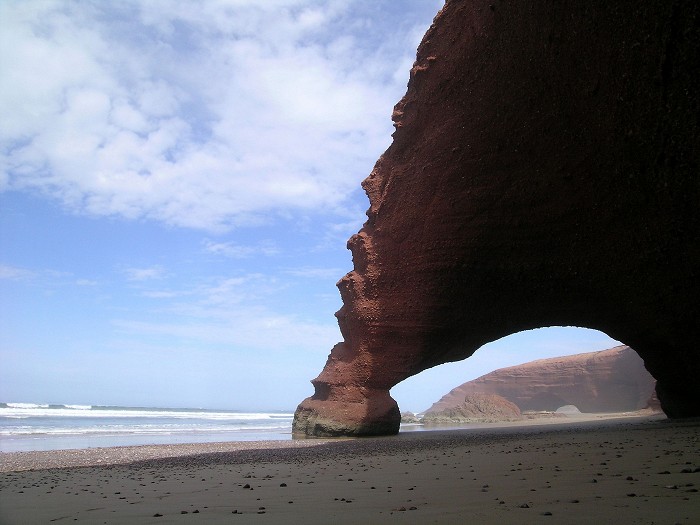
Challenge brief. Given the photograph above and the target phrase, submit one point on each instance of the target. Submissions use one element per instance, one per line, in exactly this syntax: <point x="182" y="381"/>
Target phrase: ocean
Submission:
<point x="33" y="427"/>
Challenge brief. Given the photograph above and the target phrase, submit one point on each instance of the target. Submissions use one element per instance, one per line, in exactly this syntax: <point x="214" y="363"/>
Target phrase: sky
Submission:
<point x="178" y="181"/>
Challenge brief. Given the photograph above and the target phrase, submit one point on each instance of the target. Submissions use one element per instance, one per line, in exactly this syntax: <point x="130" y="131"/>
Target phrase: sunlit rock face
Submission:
<point x="613" y="380"/>
<point x="474" y="407"/>
<point x="544" y="171"/>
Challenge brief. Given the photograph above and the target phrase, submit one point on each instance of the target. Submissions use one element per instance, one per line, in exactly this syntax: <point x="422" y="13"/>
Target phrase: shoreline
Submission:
<point x="626" y="470"/>
<point x="126" y="454"/>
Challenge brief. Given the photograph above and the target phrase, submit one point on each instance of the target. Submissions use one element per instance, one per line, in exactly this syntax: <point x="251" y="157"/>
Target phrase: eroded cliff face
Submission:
<point x="473" y="407"/>
<point x="544" y="171"/>
<point x="613" y="380"/>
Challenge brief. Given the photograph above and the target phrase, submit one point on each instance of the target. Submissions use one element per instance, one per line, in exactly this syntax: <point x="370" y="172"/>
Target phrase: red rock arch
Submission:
<point x="544" y="171"/>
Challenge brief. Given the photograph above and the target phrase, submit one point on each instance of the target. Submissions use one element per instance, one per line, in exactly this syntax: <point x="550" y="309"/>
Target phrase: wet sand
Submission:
<point x="632" y="470"/>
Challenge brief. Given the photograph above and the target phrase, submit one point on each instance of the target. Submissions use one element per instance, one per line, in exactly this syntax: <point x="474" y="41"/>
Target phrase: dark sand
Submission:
<point x="633" y="470"/>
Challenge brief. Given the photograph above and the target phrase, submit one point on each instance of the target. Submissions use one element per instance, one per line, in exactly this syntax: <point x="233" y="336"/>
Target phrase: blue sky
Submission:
<point x="177" y="184"/>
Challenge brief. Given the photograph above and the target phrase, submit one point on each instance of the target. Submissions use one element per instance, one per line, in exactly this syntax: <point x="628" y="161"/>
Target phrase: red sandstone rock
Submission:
<point x="612" y="380"/>
<point x="653" y="404"/>
<point x="474" y="407"/>
<point x="544" y="172"/>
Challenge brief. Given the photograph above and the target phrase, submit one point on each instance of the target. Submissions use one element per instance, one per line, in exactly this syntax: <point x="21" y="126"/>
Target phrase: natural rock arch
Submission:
<point x="544" y="171"/>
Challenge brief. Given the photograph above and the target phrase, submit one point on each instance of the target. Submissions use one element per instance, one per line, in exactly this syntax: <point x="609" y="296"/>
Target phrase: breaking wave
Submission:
<point x="33" y="420"/>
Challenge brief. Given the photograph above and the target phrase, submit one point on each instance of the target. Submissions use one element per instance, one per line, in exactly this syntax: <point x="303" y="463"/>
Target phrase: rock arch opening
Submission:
<point x="539" y="372"/>
<point x="418" y="393"/>
<point x="545" y="171"/>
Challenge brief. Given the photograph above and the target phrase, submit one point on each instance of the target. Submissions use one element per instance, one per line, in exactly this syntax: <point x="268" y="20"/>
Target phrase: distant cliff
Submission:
<point x="484" y="408"/>
<point x="613" y="380"/>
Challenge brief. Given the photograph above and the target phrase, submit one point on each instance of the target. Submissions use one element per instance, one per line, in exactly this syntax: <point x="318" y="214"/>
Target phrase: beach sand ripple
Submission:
<point x="628" y="471"/>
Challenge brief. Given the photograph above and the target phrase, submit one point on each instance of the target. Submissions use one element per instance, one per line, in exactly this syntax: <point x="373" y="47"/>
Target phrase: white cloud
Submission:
<point x="216" y="298"/>
<point x="144" y="274"/>
<point x="13" y="273"/>
<point x="204" y="114"/>
<point x="232" y="311"/>
<point x="248" y="331"/>
<point x="45" y="278"/>
<point x="317" y="273"/>
<point x="161" y="294"/>
<point x="239" y="251"/>
<point x="86" y="282"/>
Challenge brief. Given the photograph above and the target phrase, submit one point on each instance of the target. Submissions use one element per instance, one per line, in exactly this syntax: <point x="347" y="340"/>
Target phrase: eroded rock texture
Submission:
<point x="544" y="171"/>
<point x="613" y="380"/>
<point x="472" y="407"/>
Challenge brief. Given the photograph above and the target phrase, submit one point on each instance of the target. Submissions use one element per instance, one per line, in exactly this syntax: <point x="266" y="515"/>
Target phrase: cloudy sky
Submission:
<point x="177" y="184"/>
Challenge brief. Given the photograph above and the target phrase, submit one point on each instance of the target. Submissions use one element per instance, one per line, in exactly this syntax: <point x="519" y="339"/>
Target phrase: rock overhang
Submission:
<point x="544" y="171"/>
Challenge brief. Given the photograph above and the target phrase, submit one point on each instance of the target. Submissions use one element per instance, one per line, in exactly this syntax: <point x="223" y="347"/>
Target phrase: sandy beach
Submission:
<point x="628" y="470"/>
